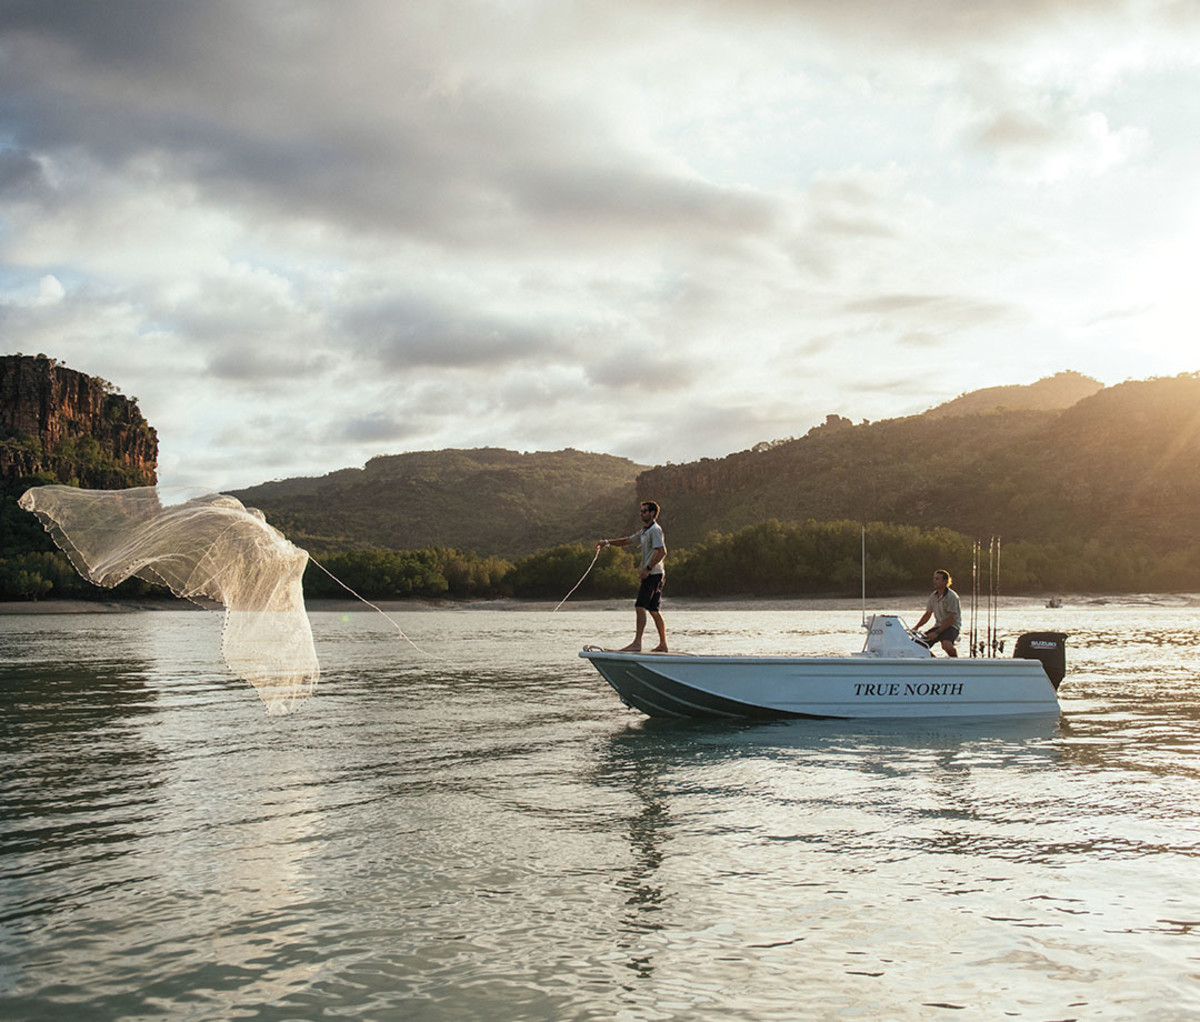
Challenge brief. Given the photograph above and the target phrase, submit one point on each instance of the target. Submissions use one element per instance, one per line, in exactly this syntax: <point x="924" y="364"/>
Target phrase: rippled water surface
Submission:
<point x="480" y="830"/>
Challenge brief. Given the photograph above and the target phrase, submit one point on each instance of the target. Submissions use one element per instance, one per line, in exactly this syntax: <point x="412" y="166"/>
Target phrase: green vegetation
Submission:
<point x="816" y="558"/>
<point x="825" y="559"/>
<point x="396" y="574"/>
<point x="438" y="572"/>
<point x="551" y="574"/>
<point x="778" y="559"/>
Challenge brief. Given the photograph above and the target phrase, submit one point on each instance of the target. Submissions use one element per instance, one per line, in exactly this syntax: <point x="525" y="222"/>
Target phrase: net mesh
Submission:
<point x="212" y="548"/>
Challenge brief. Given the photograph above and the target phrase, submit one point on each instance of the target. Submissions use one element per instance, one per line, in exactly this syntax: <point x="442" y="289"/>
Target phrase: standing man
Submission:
<point x="947" y="614"/>
<point x="654" y="549"/>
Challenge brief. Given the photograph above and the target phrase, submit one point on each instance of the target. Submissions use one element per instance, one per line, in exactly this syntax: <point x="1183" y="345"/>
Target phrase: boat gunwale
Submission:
<point x="944" y="663"/>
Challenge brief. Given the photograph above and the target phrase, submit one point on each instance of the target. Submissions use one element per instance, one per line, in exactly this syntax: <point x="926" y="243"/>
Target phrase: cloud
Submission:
<point x="21" y="175"/>
<point x="922" y="339"/>
<point x="1010" y="129"/>
<point x="248" y="361"/>
<point x="950" y="312"/>
<point x="377" y="427"/>
<point x="649" y="371"/>
<point x="304" y="232"/>
<point x="1059" y="148"/>
<point x="410" y="332"/>
<point x="371" y="133"/>
<point x="50" y="291"/>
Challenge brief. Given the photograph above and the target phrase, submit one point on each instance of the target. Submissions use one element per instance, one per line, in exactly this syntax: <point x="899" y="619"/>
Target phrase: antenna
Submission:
<point x="864" y="574"/>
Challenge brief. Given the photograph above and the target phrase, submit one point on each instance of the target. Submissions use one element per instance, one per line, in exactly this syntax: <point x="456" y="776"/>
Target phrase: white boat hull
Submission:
<point x="686" y="686"/>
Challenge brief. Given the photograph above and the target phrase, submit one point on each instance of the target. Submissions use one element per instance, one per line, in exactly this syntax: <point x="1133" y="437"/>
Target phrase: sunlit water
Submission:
<point x="480" y="830"/>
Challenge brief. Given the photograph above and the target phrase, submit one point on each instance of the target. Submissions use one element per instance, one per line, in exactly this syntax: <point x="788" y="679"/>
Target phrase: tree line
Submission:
<point x="773" y="558"/>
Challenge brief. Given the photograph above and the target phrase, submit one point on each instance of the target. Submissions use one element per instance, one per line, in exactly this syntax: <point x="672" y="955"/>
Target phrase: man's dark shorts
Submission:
<point x="650" y="592"/>
<point x="949" y="635"/>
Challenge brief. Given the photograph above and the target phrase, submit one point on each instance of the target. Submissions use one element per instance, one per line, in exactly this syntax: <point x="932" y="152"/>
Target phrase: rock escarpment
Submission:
<point x="57" y="424"/>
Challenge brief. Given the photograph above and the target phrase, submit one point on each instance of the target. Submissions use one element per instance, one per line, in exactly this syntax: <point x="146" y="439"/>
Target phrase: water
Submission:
<point x="485" y="832"/>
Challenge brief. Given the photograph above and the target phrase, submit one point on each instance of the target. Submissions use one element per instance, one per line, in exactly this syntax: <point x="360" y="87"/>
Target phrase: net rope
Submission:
<point x="579" y="583"/>
<point x="380" y="610"/>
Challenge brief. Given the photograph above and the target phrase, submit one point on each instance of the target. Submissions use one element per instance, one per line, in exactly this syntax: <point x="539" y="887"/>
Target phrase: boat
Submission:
<point x="895" y="675"/>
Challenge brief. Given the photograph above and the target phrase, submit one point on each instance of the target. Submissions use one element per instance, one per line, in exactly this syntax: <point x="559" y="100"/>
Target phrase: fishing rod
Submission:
<point x="989" y="589"/>
<point x="997" y="645"/>
<point x="991" y="637"/>
<point x="974" y="632"/>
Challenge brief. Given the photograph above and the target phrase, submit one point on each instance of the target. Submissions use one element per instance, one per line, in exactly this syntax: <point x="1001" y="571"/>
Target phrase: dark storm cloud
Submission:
<point x="20" y="174"/>
<point x="288" y="111"/>
<point x="116" y="31"/>
<point x="119" y="32"/>
<point x="219" y="96"/>
<point x="91" y="76"/>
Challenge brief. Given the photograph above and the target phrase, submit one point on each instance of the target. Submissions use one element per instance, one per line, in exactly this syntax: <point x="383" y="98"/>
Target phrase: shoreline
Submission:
<point x="911" y="601"/>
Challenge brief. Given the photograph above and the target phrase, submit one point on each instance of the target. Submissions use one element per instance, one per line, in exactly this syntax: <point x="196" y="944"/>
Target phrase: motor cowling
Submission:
<point x="1048" y="647"/>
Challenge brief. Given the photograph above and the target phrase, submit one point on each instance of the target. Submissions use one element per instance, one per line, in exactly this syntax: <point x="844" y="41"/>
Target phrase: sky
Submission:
<point x="303" y="234"/>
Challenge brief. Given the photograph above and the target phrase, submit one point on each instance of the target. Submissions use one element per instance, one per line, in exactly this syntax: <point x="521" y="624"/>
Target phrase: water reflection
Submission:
<point x="831" y="791"/>
<point x="487" y="833"/>
<point x="80" y="780"/>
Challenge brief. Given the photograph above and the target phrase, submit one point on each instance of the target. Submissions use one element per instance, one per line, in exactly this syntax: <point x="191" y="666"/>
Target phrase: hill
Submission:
<point x="1054" y="393"/>
<point x="1121" y="466"/>
<point x="489" y="500"/>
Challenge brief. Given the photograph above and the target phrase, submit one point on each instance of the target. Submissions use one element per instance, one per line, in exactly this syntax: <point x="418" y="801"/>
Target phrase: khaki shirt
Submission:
<point x="651" y="538"/>
<point x="945" y="609"/>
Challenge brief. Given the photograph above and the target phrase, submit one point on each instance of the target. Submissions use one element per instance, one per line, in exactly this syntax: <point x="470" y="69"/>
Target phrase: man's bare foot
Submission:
<point x="633" y="647"/>
<point x="659" y="649"/>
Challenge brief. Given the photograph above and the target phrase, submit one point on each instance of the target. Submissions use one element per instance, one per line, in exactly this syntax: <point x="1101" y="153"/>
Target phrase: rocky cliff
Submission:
<point x="72" y="427"/>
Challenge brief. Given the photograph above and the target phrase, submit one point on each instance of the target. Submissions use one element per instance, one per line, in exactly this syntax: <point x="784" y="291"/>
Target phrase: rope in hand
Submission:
<point x="372" y="606"/>
<point x="580" y="582"/>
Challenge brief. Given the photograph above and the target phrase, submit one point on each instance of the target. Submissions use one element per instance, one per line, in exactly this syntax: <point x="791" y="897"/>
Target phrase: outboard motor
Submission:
<point x="1048" y="647"/>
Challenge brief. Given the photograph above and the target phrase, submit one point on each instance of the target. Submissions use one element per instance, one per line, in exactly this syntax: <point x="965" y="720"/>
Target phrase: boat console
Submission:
<point x="888" y="636"/>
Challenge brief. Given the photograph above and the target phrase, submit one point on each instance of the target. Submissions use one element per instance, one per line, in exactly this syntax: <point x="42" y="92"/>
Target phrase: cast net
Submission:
<point x="212" y="548"/>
